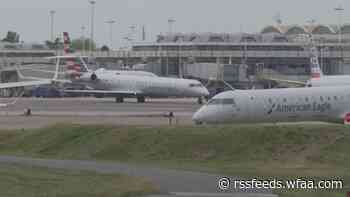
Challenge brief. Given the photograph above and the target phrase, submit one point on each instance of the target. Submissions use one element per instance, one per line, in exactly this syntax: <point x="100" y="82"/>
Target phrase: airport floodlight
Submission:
<point x="171" y="21"/>
<point x="83" y="38"/>
<point x="52" y="15"/>
<point x="92" y="3"/>
<point x="111" y="23"/>
<point x="339" y="11"/>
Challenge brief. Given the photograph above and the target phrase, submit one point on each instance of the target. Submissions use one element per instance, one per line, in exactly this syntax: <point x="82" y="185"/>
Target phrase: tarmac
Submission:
<point x="48" y="111"/>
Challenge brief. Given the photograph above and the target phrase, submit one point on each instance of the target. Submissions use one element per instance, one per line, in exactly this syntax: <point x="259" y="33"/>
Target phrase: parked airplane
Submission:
<point x="328" y="104"/>
<point x="112" y="83"/>
<point x="121" y="86"/>
<point x="317" y="78"/>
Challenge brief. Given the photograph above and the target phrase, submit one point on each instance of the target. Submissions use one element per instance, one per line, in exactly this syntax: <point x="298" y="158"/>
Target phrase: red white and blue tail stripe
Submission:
<point x="316" y="71"/>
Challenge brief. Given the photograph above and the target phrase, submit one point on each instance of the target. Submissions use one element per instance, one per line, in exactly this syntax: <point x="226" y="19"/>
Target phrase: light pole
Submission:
<point x="92" y="2"/>
<point x="132" y="33"/>
<point x="83" y="39"/>
<point x="110" y="23"/>
<point x="339" y="10"/>
<point x="128" y="39"/>
<point x="52" y="15"/>
<point x="171" y="21"/>
<point x="181" y="71"/>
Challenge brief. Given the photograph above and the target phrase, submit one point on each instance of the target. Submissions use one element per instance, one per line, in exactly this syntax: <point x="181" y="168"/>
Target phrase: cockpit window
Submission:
<point x="228" y="101"/>
<point x="214" y="102"/>
<point x="195" y="85"/>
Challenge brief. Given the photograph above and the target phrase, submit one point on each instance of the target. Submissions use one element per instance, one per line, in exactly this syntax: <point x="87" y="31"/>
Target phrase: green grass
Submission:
<point x="320" y="151"/>
<point x="19" y="181"/>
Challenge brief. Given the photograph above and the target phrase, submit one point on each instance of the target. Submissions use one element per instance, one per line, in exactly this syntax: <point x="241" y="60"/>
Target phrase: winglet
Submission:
<point x="21" y="76"/>
<point x="19" y="72"/>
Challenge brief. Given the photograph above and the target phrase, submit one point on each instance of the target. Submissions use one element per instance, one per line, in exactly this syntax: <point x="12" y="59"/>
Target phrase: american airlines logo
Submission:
<point x="314" y="107"/>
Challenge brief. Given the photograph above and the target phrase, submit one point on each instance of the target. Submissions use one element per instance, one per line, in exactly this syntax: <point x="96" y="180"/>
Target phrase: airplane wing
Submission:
<point x="104" y="92"/>
<point x="24" y="83"/>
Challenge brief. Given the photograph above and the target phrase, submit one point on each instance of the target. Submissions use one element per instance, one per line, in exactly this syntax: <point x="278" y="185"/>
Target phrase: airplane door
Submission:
<point x="257" y="109"/>
<point x="238" y="109"/>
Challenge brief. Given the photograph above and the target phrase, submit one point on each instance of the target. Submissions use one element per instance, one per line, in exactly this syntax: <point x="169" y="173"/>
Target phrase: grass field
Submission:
<point x="320" y="151"/>
<point x="20" y="181"/>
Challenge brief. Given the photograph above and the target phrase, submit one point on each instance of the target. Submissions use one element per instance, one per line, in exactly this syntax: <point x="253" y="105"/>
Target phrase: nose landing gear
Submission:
<point x="198" y="123"/>
<point x="200" y="100"/>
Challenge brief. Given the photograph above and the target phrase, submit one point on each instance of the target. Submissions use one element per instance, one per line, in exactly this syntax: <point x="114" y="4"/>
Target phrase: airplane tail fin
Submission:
<point x="66" y="42"/>
<point x="74" y="69"/>
<point x="316" y="71"/>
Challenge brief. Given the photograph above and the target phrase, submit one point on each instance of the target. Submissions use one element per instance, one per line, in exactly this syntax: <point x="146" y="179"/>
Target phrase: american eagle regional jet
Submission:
<point x="328" y="104"/>
<point x="326" y="99"/>
<point x="121" y="84"/>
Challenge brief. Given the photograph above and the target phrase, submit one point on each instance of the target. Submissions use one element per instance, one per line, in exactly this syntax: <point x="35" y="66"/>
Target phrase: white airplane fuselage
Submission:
<point x="334" y="80"/>
<point x="146" y="85"/>
<point x="125" y="72"/>
<point x="328" y="104"/>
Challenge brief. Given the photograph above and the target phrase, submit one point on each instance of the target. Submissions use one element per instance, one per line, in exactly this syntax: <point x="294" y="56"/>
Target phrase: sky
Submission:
<point x="31" y="18"/>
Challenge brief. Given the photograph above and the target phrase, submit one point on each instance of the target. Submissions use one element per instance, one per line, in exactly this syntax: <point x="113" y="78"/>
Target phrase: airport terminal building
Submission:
<point x="238" y="58"/>
<point x="275" y="50"/>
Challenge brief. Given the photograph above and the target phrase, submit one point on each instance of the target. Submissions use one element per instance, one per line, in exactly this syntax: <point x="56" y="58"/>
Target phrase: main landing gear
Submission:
<point x="200" y="100"/>
<point x="119" y="99"/>
<point x="141" y="99"/>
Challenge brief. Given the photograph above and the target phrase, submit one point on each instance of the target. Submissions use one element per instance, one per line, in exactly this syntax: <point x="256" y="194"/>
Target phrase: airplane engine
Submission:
<point x="93" y="77"/>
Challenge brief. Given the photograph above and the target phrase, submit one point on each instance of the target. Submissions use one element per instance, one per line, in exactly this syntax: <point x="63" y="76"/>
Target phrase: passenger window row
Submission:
<point x="307" y="99"/>
<point x="195" y="85"/>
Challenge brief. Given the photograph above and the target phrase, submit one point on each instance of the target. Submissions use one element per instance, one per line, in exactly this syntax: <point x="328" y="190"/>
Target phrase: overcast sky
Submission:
<point x="31" y="17"/>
